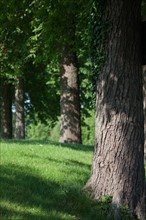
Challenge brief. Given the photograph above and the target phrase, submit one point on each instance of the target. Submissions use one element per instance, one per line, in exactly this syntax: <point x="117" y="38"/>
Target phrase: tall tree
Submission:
<point x="118" y="162"/>
<point x="144" y="95"/>
<point x="144" y="67"/>
<point x="22" y="51"/>
<point x="66" y="40"/>
<point x="6" y="109"/>
<point x="70" y="100"/>
<point x="70" y="88"/>
<point x="19" y="104"/>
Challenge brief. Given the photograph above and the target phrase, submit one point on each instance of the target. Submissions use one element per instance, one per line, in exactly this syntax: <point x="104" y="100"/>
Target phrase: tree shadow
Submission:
<point x="67" y="162"/>
<point x="22" y="187"/>
<point x="79" y="147"/>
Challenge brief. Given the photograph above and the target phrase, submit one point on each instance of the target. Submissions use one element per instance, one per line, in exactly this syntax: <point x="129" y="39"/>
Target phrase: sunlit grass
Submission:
<point x="44" y="181"/>
<point x="38" y="179"/>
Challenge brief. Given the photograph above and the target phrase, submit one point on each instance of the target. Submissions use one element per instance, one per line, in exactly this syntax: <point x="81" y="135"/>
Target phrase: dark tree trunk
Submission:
<point x="144" y="71"/>
<point x="118" y="162"/>
<point x="144" y="95"/>
<point x="70" y="101"/>
<point x="19" y="102"/>
<point x="6" y="109"/>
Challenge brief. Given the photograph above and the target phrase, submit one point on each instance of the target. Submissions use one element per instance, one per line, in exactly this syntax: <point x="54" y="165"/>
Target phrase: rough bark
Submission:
<point x="144" y="73"/>
<point x="19" y="102"/>
<point x="118" y="162"/>
<point x="6" y="109"/>
<point x="144" y="104"/>
<point x="70" y="101"/>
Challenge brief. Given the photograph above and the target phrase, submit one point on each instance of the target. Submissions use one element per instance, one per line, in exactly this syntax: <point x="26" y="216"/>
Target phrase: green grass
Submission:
<point x="44" y="181"/>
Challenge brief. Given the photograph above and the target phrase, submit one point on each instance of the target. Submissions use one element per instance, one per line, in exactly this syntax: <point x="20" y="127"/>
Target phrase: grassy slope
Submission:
<point x="42" y="181"/>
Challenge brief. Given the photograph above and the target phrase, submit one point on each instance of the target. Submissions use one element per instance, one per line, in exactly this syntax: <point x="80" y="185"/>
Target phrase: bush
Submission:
<point x="88" y="129"/>
<point x="51" y="131"/>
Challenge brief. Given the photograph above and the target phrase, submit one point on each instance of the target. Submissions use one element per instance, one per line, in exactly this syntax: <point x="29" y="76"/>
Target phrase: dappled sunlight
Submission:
<point x="24" y="209"/>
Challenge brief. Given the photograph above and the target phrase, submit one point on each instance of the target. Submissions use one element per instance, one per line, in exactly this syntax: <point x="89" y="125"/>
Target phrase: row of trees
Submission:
<point x="36" y="36"/>
<point x="43" y="45"/>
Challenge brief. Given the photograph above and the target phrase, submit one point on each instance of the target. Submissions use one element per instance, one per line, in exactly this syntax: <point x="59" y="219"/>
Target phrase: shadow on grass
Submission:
<point x="26" y="196"/>
<point x="80" y="147"/>
<point x="67" y="162"/>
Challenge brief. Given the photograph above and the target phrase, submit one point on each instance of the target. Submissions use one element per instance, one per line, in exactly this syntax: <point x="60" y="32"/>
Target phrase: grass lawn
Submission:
<point x="44" y="181"/>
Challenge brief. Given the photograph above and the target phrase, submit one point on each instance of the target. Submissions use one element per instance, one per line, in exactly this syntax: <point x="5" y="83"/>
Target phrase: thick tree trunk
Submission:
<point x="144" y="71"/>
<point x="19" y="102"/>
<point x="70" y="101"/>
<point x="144" y="102"/>
<point x="6" y="109"/>
<point x="118" y="163"/>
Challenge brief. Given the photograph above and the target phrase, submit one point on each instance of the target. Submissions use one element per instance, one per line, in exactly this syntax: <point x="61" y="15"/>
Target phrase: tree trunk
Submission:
<point x="19" y="102"/>
<point x="118" y="162"/>
<point x="144" y="102"/>
<point x="144" y="70"/>
<point x="6" y="109"/>
<point x="70" y="101"/>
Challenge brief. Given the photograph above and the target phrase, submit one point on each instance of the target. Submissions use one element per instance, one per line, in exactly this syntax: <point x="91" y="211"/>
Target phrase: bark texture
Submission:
<point x="144" y="104"/>
<point x="144" y="74"/>
<point x="19" y="102"/>
<point x="70" y="101"/>
<point x="118" y="162"/>
<point x="6" y="109"/>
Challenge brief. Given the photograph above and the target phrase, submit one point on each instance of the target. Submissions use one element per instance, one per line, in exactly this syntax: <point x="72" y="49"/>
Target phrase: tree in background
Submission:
<point x="51" y="131"/>
<point x="6" y="109"/>
<point x="22" y="59"/>
<point x="118" y="163"/>
<point x="19" y="104"/>
<point x="63" y="24"/>
<point x="33" y="36"/>
<point x="70" y="100"/>
<point x="14" y="28"/>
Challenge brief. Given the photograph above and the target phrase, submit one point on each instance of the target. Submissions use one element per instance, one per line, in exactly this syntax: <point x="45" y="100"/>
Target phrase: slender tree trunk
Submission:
<point x="6" y="109"/>
<point x="70" y="101"/>
<point x="19" y="102"/>
<point x="118" y="162"/>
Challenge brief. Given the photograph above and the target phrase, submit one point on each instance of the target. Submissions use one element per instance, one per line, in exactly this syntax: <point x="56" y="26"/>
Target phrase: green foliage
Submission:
<point x="98" y="30"/>
<point x="33" y="34"/>
<point x="51" y="129"/>
<point x="55" y="132"/>
<point x="15" y="29"/>
<point x="143" y="8"/>
<point x="42" y="85"/>
<point x="87" y="99"/>
<point x="22" y="54"/>
<point x="38" y="131"/>
<point x="88" y="129"/>
<point x="125" y="213"/>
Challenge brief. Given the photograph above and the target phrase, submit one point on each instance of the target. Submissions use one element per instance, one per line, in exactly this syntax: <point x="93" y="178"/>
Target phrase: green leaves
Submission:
<point x="143" y="8"/>
<point x="98" y="31"/>
<point x="32" y="37"/>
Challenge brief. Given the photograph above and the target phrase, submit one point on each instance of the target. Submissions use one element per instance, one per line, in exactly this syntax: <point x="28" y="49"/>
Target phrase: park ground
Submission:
<point x="44" y="181"/>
